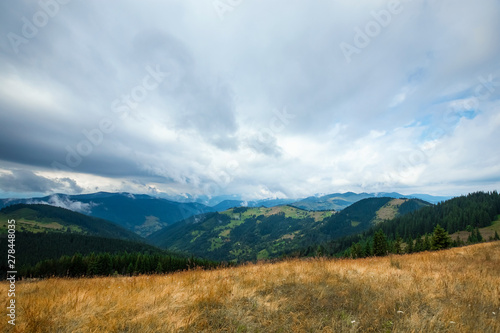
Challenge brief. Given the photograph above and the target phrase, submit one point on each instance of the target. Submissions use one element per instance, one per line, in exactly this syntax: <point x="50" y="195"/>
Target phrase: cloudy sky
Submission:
<point x="279" y="98"/>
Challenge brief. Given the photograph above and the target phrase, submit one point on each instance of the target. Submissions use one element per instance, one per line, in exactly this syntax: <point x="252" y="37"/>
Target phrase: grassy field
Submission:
<point x="32" y="224"/>
<point x="389" y="210"/>
<point x="456" y="290"/>
<point x="486" y="232"/>
<point x="36" y="226"/>
<point x="289" y="211"/>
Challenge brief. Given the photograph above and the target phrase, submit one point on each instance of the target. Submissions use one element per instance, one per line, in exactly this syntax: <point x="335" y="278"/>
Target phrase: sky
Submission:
<point x="260" y="99"/>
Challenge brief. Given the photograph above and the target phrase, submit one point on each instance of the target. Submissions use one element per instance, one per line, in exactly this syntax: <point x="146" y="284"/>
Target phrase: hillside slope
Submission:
<point x="45" y="218"/>
<point x="35" y="247"/>
<point x="473" y="211"/>
<point x="241" y="234"/>
<point x="367" y="212"/>
<point x="142" y="214"/>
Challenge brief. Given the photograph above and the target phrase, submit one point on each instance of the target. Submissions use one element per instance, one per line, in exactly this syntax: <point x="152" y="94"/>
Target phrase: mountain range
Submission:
<point x="245" y="231"/>
<point x="339" y="201"/>
<point x="144" y="214"/>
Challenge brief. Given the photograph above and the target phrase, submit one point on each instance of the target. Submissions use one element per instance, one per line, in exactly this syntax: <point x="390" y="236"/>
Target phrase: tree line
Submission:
<point x="106" y="264"/>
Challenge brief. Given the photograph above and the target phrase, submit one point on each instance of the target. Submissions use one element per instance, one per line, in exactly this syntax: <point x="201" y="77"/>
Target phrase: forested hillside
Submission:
<point x="242" y="234"/>
<point x="55" y="241"/>
<point x="45" y="218"/>
<point x="69" y="254"/>
<point x="414" y="230"/>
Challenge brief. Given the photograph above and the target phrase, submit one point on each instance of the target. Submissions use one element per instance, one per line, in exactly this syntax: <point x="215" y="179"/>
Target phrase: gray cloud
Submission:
<point x="357" y="125"/>
<point x="27" y="181"/>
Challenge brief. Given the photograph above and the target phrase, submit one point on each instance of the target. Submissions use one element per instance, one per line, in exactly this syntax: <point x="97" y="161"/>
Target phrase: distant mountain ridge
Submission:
<point x="145" y="214"/>
<point x="339" y="201"/>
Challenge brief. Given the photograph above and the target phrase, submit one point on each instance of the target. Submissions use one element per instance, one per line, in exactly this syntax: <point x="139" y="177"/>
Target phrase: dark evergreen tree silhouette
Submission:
<point x="380" y="243"/>
<point x="440" y="239"/>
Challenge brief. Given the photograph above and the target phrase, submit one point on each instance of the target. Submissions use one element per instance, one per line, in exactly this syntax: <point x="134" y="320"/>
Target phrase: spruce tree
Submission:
<point x="419" y="245"/>
<point x="478" y="235"/>
<point x="379" y="243"/>
<point x="427" y="243"/>
<point x="440" y="239"/>
<point x="93" y="267"/>
<point x="397" y="245"/>
<point x="409" y="245"/>
<point x="496" y="236"/>
<point x="130" y="269"/>
<point x="159" y="268"/>
<point x="472" y="239"/>
<point x="368" y="252"/>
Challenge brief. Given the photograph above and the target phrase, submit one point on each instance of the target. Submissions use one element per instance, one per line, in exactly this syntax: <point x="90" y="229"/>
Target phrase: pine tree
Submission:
<point x="458" y="241"/>
<point x="496" y="236"/>
<point x="419" y="244"/>
<point x="159" y="268"/>
<point x="427" y="243"/>
<point x="397" y="245"/>
<point x="379" y="243"/>
<point x="357" y="250"/>
<point x="368" y="252"/>
<point x="93" y="265"/>
<point x="478" y="235"/>
<point x="440" y="239"/>
<point x="77" y="267"/>
<point x="130" y="269"/>
<point x="409" y="245"/>
<point x="472" y="239"/>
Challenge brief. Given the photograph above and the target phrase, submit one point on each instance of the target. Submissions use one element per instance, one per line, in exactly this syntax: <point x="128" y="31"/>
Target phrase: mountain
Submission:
<point x="144" y="214"/>
<point x="245" y="233"/>
<point x="339" y="201"/>
<point x="429" y="198"/>
<point x="239" y="234"/>
<point x="44" y="218"/>
<point x="472" y="212"/>
<point x="46" y="232"/>
<point x="365" y="213"/>
<point x="224" y="200"/>
<point x="226" y="204"/>
<point x="140" y="213"/>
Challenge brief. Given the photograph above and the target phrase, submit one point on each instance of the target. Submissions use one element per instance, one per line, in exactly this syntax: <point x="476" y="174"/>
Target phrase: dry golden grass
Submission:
<point x="486" y="232"/>
<point x="456" y="290"/>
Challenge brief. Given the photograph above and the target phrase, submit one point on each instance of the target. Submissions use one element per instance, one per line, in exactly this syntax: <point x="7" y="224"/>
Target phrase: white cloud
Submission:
<point x="211" y="125"/>
<point x="64" y="202"/>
